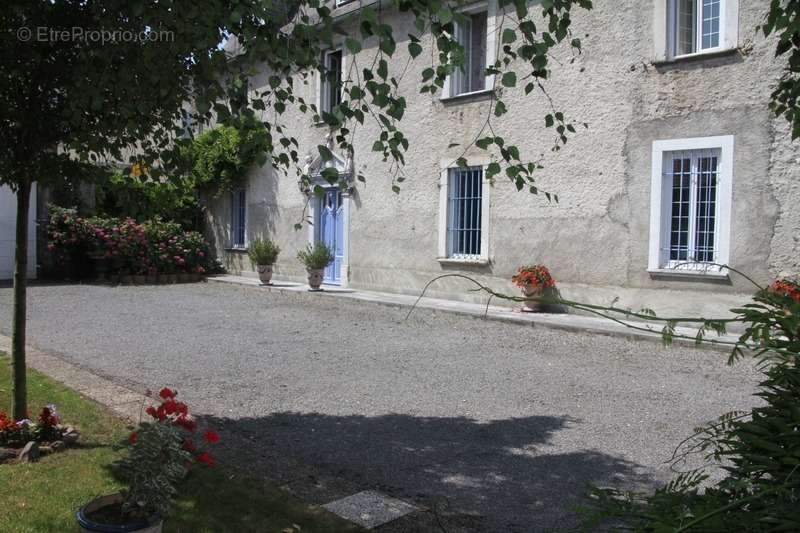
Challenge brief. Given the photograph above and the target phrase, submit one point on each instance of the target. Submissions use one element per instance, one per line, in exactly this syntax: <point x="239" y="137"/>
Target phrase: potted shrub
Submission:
<point x="160" y="454"/>
<point x="315" y="259"/>
<point x="536" y="283"/>
<point x="263" y="254"/>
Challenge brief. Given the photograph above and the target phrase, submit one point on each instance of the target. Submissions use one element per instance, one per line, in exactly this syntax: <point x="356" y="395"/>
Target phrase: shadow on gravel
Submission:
<point x="497" y="476"/>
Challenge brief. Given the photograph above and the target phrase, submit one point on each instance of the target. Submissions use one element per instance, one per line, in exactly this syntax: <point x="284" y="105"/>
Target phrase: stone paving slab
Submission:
<point x="563" y="321"/>
<point x="370" y="508"/>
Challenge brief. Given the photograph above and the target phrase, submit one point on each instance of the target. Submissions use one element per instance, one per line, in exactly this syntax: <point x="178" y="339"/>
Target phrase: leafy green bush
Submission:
<point x="317" y="257"/>
<point x="143" y="198"/>
<point x="263" y="252"/>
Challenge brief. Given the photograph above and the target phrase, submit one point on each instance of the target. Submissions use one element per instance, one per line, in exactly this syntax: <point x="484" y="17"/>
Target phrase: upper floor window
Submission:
<point x="238" y="218"/>
<point x="691" y="203"/>
<point x="696" y="26"/>
<point x="471" y="77"/>
<point x="691" y="28"/>
<point x="477" y="37"/>
<point x="331" y="86"/>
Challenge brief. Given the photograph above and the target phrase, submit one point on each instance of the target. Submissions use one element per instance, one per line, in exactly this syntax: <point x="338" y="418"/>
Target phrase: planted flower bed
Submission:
<point x="126" y="251"/>
<point x="25" y="440"/>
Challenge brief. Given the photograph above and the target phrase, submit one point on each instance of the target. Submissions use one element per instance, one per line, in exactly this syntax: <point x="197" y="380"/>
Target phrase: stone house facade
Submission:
<point x="682" y="161"/>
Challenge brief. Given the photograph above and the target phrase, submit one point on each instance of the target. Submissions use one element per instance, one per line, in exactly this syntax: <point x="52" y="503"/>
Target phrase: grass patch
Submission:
<point x="44" y="496"/>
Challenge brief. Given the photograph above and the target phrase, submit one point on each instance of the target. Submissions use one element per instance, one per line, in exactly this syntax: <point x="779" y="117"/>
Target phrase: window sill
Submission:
<point x="463" y="262"/>
<point x="237" y="249"/>
<point x="697" y="56"/>
<point x="689" y="274"/>
<point x="467" y="97"/>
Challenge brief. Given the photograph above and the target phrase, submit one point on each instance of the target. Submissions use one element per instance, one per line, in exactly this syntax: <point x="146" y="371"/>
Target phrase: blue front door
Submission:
<point x="331" y="232"/>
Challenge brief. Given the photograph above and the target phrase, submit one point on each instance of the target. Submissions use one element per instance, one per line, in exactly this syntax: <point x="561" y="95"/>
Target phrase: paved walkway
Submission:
<point x="484" y="425"/>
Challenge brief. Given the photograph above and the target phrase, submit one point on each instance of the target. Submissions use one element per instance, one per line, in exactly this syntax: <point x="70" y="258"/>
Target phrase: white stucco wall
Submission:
<point x="8" y="223"/>
<point x="595" y="240"/>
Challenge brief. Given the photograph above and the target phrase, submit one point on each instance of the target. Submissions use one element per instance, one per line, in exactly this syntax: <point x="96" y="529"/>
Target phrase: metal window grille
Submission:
<point x="464" y="195"/>
<point x="696" y="25"/>
<point x="471" y="35"/>
<point x="693" y="178"/>
<point x="238" y="218"/>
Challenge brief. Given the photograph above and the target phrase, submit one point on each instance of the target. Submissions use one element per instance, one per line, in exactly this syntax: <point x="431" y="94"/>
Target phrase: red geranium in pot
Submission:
<point x="160" y="454"/>
<point x="535" y="282"/>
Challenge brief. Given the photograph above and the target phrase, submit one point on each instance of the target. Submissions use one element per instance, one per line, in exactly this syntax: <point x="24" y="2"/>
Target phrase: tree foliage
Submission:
<point x="783" y="19"/>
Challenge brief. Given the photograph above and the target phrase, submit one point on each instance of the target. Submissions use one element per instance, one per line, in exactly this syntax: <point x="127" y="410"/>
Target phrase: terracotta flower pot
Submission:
<point x="315" y="278"/>
<point x="265" y="274"/>
<point x="87" y="523"/>
<point x="530" y="305"/>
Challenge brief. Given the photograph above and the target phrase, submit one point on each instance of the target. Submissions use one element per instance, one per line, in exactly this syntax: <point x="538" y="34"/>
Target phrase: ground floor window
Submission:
<point x="465" y="190"/>
<point x="238" y="218"/>
<point x="690" y="209"/>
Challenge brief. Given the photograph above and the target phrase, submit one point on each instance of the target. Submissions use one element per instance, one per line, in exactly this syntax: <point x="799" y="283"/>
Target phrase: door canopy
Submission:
<point x="316" y="165"/>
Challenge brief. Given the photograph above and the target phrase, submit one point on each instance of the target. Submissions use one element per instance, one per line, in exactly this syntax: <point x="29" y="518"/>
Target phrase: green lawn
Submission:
<point x="43" y="496"/>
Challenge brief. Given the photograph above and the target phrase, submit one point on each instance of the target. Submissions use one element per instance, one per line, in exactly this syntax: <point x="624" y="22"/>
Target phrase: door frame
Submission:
<point x="344" y="271"/>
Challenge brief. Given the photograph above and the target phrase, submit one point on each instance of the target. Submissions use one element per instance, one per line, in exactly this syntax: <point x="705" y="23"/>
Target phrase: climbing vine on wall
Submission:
<point x="221" y="157"/>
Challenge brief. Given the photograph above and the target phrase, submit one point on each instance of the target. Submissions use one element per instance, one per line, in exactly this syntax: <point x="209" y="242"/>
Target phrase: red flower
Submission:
<point x="47" y="417"/>
<point x="132" y="438"/>
<point x="787" y="288"/>
<point x="167" y="393"/>
<point x="152" y="411"/>
<point x="186" y="423"/>
<point x="189" y="446"/>
<point x="534" y="275"/>
<point x="206" y="458"/>
<point x="211" y="436"/>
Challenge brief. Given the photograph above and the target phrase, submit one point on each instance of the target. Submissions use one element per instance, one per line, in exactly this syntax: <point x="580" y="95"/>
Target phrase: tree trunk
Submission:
<point x="20" y="405"/>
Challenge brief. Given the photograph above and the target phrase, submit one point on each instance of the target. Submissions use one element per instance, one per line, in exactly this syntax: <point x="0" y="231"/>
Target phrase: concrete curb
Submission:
<point x="564" y="322"/>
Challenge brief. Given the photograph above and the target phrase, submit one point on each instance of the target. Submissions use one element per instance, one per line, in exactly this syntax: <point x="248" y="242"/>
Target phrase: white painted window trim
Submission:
<point x="445" y="165"/>
<point x="490" y="6"/>
<point x="664" y="32"/>
<point x="320" y="98"/>
<point x="659" y="210"/>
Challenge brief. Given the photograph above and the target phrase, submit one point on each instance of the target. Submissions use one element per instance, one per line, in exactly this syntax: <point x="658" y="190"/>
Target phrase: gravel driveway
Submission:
<point x="499" y="427"/>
